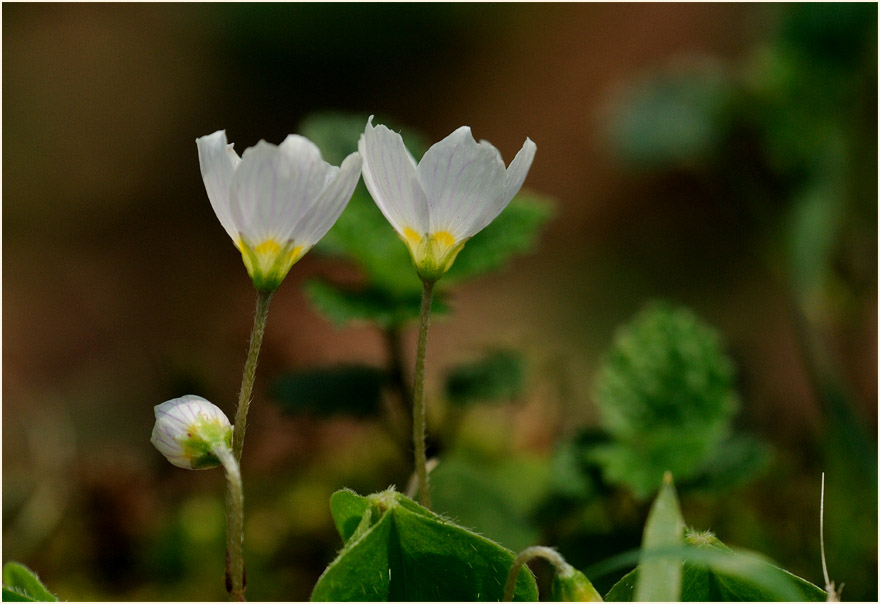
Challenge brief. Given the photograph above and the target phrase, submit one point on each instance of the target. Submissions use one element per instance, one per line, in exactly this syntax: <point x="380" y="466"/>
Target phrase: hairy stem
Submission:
<point x="249" y="373"/>
<point x="235" y="575"/>
<point x="419" y="395"/>
<point x="530" y="553"/>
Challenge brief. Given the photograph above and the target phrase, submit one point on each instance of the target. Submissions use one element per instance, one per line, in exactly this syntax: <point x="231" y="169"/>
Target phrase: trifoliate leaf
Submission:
<point x="21" y="584"/>
<point x="402" y="551"/>
<point x="324" y="391"/>
<point x="499" y="376"/>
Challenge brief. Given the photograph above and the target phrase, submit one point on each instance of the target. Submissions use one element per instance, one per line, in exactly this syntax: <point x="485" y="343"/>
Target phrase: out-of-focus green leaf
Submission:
<point x="337" y="133"/>
<point x="21" y="584"/>
<point x="497" y="499"/>
<point x="570" y="475"/>
<point x="680" y="114"/>
<point x="409" y="553"/>
<point x="363" y="235"/>
<point x="813" y="228"/>
<point x="735" y="461"/>
<point x="665" y="395"/>
<point x="713" y="573"/>
<point x="370" y="304"/>
<point x="324" y="391"/>
<point x="660" y="578"/>
<point x="499" y="376"/>
<point x="514" y="232"/>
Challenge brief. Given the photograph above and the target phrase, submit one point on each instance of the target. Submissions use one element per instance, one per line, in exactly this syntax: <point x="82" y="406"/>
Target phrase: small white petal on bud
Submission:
<point x="189" y="430"/>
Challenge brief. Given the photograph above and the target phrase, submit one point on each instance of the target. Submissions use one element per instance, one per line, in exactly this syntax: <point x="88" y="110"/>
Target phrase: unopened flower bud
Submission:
<point x="188" y="431"/>
<point x="571" y="585"/>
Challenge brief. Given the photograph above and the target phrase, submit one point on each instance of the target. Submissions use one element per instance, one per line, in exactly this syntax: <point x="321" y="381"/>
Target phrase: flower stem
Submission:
<point x="419" y="395"/>
<point x="235" y="575"/>
<point x="250" y="370"/>
<point x="530" y="553"/>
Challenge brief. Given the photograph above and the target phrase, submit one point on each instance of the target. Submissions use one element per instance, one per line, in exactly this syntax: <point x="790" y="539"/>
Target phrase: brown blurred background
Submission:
<point x="121" y="290"/>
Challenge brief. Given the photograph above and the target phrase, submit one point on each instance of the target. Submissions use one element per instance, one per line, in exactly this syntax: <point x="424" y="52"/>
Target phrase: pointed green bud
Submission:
<point x="189" y="430"/>
<point x="571" y="585"/>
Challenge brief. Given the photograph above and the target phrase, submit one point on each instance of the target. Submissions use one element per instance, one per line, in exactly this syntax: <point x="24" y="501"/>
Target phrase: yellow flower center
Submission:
<point x="269" y="261"/>
<point x="432" y="253"/>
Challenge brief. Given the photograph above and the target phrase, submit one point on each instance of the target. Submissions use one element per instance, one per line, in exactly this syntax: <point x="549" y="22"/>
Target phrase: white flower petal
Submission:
<point x="514" y="178"/>
<point x="390" y="175"/>
<point x="460" y="178"/>
<point x="218" y="162"/>
<point x="330" y="204"/>
<point x="274" y="187"/>
<point x="519" y="168"/>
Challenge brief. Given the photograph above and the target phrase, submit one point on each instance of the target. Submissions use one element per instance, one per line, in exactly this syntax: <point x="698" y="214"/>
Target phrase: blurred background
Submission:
<point x="721" y="158"/>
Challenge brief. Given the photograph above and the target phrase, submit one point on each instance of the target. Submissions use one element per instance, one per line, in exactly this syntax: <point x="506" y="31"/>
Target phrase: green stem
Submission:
<point x="250" y="371"/>
<point x="530" y="553"/>
<point x="235" y="576"/>
<point x="419" y="395"/>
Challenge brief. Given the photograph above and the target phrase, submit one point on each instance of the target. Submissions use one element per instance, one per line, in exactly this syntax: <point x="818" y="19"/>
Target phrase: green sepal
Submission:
<point x="199" y="449"/>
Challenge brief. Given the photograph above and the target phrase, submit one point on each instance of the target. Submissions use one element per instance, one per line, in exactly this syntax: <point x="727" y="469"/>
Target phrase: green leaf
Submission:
<point x="363" y="235"/>
<point x="21" y="584"/>
<point x="713" y="573"/>
<point x="514" y="232"/>
<point x="660" y="578"/>
<point x="498" y="498"/>
<point x="324" y="391"/>
<point x="734" y="462"/>
<point x="665" y="392"/>
<point x="10" y="595"/>
<point x="370" y="304"/>
<point x="348" y="509"/>
<point x="499" y="376"/>
<point x="681" y="114"/>
<point x="410" y="553"/>
<point x="336" y="134"/>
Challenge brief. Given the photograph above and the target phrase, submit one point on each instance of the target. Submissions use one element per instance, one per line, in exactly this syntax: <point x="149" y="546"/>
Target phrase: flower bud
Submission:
<point x="571" y="585"/>
<point x="188" y="430"/>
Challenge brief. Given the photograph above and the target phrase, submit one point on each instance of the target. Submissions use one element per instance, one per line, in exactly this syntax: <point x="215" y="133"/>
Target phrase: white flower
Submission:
<point x="276" y="202"/>
<point x="435" y="206"/>
<point x="188" y="430"/>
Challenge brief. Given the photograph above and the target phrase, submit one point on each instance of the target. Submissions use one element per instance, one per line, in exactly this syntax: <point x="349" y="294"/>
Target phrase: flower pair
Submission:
<point x="276" y="202"/>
